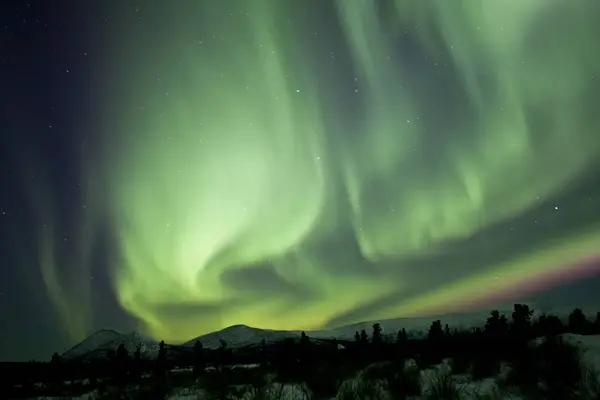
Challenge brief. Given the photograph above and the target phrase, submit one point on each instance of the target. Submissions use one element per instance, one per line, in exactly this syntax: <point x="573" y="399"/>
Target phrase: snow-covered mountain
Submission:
<point x="419" y="326"/>
<point x="97" y="340"/>
<point x="241" y="335"/>
<point x="103" y="342"/>
<point x="415" y="327"/>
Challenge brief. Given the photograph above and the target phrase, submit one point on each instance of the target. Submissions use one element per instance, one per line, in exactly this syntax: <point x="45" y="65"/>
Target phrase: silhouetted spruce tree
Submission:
<point x="363" y="347"/>
<point x="137" y="355"/>
<point x="136" y="369"/>
<point x="553" y="325"/>
<point x="377" y="338"/>
<point x="377" y="342"/>
<point x="304" y="341"/>
<point x="159" y="388"/>
<point x="577" y="322"/>
<point x="436" y="334"/>
<point x="436" y="342"/>
<point x="364" y="338"/>
<point x="55" y="374"/>
<point x="219" y="382"/>
<point x="547" y="325"/>
<point x="306" y="360"/>
<point x="496" y="326"/>
<point x="489" y="345"/>
<point x="224" y="358"/>
<point x="521" y="322"/>
<point x="522" y="360"/>
<point x="597" y="324"/>
<point x="222" y="353"/>
<point x="56" y="359"/>
<point x="401" y="346"/>
<point x="305" y="350"/>
<point x="357" y="347"/>
<point x="161" y="360"/>
<point x="199" y="363"/>
<point x="503" y="325"/>
<point x="122" y="353"/>
<point x="121" y="366"/>
<point x="492" y="322"/>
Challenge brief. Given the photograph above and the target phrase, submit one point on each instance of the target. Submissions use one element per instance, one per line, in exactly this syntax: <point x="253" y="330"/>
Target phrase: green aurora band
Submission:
<point x="241" y="164"/>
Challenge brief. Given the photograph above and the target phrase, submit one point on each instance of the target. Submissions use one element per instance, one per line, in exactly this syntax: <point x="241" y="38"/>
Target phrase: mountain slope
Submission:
<point x="240" y="336"/>
<point x="415" y="326"/>
<point x="103" y="342"/>
<point x="93" y="342"/>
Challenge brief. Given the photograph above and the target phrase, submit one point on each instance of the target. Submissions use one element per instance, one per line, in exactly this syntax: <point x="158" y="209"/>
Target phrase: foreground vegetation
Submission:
<point x="502" y="355"/>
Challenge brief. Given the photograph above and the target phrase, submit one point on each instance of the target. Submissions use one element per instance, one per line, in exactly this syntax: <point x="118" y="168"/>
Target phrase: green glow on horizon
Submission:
<point x="240" y="165"/>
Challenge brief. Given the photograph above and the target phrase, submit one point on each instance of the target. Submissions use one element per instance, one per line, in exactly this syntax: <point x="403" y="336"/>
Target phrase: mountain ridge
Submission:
<point x="103" y="342"/>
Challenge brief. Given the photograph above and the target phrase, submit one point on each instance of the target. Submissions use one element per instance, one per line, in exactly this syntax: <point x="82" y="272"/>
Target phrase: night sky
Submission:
<point x="179" y="167"/>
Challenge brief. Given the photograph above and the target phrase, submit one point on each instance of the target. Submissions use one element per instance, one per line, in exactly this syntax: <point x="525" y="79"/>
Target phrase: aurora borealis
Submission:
<point x="300" y="165"/>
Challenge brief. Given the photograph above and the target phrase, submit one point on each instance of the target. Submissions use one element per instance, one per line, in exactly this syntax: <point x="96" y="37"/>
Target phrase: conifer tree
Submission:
<point x="199" y="363"/>
<point x="377" y="337"/>
<point x="364" y="338"/>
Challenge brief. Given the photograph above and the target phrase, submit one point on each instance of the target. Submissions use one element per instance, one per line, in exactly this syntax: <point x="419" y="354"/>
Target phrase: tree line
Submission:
<point x="321" y="364"/>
